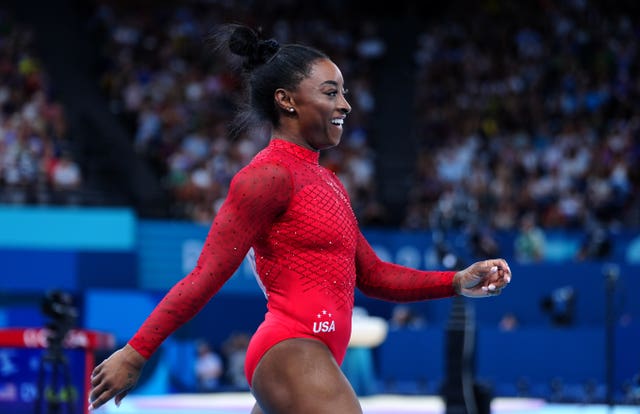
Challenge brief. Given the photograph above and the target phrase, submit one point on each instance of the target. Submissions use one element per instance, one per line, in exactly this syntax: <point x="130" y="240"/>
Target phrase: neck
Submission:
<point x="293" y="138"/>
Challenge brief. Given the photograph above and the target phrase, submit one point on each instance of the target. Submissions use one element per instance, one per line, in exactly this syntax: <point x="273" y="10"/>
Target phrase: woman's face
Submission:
<point x="321" y="106"/>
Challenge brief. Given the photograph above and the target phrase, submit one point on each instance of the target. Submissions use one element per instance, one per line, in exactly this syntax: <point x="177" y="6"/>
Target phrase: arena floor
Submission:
<point x="234" y="403"/>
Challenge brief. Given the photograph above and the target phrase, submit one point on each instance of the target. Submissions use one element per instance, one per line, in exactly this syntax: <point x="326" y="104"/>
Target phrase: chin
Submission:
<point x="331" y="145"/>
<point x="327" y="141"/>
<point x="326" y="145"/>
<point x="336" y="140"/>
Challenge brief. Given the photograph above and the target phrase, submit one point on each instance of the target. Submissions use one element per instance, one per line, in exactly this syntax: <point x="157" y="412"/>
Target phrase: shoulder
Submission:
<point x="261" y="169"/>
<point x="262" y="176"/>
<point x="334" y="177"/>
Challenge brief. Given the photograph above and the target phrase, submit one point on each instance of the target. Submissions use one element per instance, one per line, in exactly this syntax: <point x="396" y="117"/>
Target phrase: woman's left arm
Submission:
<point x="392" y="282"/>
<point x="396" y="283"/>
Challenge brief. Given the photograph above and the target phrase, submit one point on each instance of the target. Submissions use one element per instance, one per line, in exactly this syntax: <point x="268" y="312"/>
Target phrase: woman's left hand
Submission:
<point x="482" y="279"/>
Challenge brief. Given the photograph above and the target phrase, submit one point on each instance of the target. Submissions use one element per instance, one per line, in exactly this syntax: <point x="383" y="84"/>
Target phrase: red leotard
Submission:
<point x="309" y="253"/>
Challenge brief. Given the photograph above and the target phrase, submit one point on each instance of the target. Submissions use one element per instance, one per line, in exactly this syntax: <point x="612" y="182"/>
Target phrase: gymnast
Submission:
<point x="295" y="218"/>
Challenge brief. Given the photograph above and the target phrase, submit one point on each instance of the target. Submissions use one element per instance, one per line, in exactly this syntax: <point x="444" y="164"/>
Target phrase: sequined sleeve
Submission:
<point x="257" y="196"/>
<point x="392" y="282"/>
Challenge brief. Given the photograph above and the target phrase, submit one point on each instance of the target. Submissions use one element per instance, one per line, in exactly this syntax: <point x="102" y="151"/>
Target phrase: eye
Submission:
<point x="345" y="92"/>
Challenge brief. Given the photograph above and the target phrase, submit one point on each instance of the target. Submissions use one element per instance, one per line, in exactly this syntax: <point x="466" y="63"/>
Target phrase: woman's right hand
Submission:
<point x="115" y="376"/>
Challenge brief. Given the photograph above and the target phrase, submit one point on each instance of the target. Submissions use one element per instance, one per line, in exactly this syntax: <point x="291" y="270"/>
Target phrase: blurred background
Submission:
<point x="479" y="129"/>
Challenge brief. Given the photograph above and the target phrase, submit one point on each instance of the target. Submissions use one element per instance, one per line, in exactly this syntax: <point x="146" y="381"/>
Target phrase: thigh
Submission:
<point x="301" y="376"/>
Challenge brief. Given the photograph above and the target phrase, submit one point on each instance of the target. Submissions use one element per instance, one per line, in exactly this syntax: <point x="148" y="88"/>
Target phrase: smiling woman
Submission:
<point x="300" y="92"/>
<point x="316" y="109"/>
<point x="296" y="217"/>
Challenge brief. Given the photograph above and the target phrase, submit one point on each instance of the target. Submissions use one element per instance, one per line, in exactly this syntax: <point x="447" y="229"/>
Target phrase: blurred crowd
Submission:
<point x="37" y="165"/>
<point x="525" y="112"/>
<point x="527" y="116"/>
<point x="177" y="98"/>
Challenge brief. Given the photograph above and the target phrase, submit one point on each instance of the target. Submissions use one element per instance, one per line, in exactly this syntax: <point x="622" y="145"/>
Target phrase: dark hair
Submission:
<point x="266" y="66"/>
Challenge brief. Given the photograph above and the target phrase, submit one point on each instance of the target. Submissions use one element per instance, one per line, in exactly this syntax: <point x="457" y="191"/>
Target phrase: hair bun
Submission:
<point x="268" y="48"/>
<point x="245" y="42"/>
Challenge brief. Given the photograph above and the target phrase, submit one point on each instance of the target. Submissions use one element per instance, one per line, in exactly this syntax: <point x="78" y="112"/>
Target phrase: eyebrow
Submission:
<point x="330" y="82"/>
<point x="334" y="84"/>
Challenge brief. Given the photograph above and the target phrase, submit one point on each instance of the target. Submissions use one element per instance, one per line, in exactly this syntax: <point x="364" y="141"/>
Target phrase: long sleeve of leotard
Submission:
<point x="392" y="282"/>
<point x="256" y="197"/>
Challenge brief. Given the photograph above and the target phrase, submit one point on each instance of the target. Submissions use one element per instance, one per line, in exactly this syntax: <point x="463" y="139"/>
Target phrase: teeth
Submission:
<point x="337" y="121"/>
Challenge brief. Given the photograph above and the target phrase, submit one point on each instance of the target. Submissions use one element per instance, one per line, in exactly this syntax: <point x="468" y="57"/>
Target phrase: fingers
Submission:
<point x="120" y="396"/>
<point x="96" y="377"/>
<point x="101" y="389"/>
<point x="492" y="290"/>
<point x="484" y="278"/>
<point x="491" y="278"/>
<point x="102" y="393"/>
<point x="96" y="372"/>
<point x="115" y="376"/>
<point x="498" y="276"/>
<point x="500" y="263"/>
<point x="498" y="269"/>
<point x="99" y="395"/>
<point x="494" y="286"/>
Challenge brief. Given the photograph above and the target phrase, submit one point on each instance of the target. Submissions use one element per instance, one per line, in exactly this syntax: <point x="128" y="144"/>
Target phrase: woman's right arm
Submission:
<point x="257" y="196"/>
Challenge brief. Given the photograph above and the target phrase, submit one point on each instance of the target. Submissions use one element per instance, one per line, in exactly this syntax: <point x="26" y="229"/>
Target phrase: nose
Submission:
<point x="345" y="108"/>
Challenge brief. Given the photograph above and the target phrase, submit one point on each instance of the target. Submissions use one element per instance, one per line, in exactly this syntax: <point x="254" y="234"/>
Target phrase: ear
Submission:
<point x="283" y="99"/>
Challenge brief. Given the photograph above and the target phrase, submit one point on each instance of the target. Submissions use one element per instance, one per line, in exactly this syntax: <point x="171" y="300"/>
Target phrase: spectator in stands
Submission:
<point x="559" y="124"/>
<point x="560" y="306"/>
<point x="597" y="243"/>
<point x="482" y="243"/>
<point x="403" y="316"/>
<point x="150" y="69"/>
<point x="33" y="130"/>
<point x="235" y="352"/>
<point x="632" y="391"/>
<point x="65" y="174"/>
<point x="309" y="253"/>
<point x="209" y="367"/>
<point x="530" y="241"/>
<point x="508" y="322"/>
